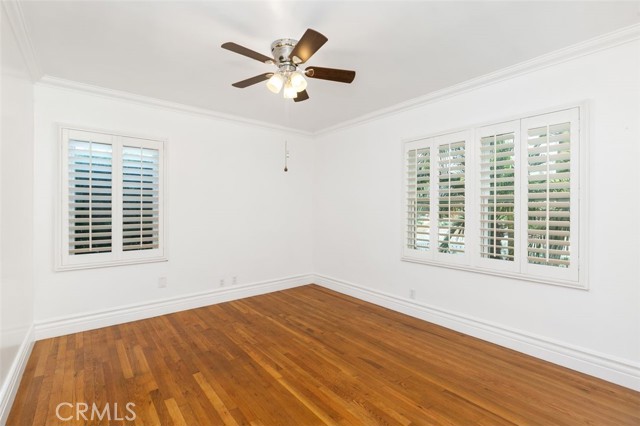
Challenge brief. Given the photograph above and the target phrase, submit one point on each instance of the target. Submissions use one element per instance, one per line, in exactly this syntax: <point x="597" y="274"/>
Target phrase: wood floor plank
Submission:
<point x="215" y="400"/>
<point x="305" y="356"/>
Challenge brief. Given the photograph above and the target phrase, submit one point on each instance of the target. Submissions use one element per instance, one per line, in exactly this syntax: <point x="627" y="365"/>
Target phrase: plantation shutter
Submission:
<point x="111" y="205"/>
<point x="498" y="193"/>
<point x="549" y="170"/>
<point x="418" y="199"/>
<point x="451" y="197"/>
<point x="90" y="198"/>
<point x="501" y="199"/>
<point x="552" y="204"/>
<point x="140" y="198"/>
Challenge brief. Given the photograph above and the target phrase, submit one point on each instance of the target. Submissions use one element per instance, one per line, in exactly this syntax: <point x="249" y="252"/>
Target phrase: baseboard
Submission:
<point x="92" y="320"/>
<point x="618" y="371"/>
<point x="10" y="385"/>
<point x="603" y="366"/>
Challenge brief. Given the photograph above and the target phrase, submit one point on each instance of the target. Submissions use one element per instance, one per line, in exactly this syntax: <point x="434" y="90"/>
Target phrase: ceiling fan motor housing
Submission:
<point x="281" y="50"/>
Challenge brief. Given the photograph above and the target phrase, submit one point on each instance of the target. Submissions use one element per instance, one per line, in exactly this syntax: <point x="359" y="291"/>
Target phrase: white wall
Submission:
<point x="16" y="203"/>
<point x="232" y="211"/>
<point x="358" y="194"/>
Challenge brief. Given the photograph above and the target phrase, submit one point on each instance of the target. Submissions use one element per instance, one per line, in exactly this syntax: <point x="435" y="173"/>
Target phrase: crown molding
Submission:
<point x="606" y="41"/>
<point x="49" y="81"/>
<point x="19" y="28"/>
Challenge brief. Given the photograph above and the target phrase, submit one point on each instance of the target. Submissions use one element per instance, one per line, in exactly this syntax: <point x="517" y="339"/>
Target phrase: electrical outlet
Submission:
<point x="234" y="280"/>
<point x="221" y="282"/>
<point x="412" y="293"/>
<point x="162" y="282"/>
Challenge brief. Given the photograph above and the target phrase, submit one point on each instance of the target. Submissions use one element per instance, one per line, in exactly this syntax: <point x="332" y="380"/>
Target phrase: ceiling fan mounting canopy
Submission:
<point x="281" y="50"/>
<point x="287" y="55"/>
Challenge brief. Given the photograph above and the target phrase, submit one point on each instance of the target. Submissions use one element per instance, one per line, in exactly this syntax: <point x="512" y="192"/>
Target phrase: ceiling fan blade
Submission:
<point x="302" y="96"/>
<point x="236" y="48"/>
<point x="309" y="44"/>
<point x="333" y="74"/>
<point x="253" y="80"/>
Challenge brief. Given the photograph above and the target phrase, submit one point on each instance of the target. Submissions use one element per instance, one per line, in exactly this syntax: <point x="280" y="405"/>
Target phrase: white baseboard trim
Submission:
<point x="11" y="383"/>
<point x="92" y="320"/>
<point x="606" y="367"/>
<point x="603" y="366"/>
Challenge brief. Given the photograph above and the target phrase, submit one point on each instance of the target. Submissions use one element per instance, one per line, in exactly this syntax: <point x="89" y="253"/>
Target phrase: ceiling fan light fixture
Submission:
<point x="287" y="55"/>
<point x="289" y="91"/>
<point x="275" y="83"/>
<point x="298" y="81"/>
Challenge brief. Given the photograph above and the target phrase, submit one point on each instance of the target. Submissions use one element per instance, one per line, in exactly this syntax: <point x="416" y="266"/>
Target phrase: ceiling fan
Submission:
<point x="288" y="55"/>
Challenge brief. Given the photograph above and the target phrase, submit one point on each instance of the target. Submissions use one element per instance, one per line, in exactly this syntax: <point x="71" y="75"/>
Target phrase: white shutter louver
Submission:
<point x="418" y="199"/>
<point x="497" y="196"/>
<point x="451" y="197"/>
<point x="140" y="198"/>
<point x="549" y="195"/>
<point x="90" y="197"/>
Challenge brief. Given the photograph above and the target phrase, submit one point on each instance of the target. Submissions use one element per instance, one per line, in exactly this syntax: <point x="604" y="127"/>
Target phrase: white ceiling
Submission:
<point x="400" y="50"/>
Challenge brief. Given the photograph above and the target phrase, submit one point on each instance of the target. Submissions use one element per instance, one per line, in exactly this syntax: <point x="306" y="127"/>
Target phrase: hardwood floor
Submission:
<point x="305" y="356"/>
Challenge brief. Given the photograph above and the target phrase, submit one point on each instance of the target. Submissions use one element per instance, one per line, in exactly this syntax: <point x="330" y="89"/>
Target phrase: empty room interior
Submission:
<point x="320" y="213"/>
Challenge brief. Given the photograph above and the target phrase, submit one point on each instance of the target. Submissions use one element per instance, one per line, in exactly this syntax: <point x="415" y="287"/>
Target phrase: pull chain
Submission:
<point x="286" y="156"/>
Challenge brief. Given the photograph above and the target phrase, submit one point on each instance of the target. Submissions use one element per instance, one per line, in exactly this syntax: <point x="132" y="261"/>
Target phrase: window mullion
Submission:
<point x="141" y="171"/>
<point x="524" y="199"/>
<point x="91" y="212"/>
<point x="492" y="250"/>
<point x="518" y="212"/>
<point x="547" y="207"/>
<point x="434" y="206"/>
<point x="117" y="197"/>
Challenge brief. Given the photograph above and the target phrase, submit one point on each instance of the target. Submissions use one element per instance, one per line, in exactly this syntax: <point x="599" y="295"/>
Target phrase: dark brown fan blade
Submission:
<point x="309" y="44"/>
<point x="302" y="96"/>
<point x="333" y="74"/>
<point x="236" y="48"/>
<point x="253" y="80"/>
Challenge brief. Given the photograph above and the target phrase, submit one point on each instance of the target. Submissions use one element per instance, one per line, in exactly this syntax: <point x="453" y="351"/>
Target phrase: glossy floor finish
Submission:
<point x="305" y="356"/>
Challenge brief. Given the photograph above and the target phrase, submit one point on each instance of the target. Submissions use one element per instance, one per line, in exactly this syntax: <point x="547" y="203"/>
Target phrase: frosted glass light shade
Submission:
<point x="275" y="83"/>
<point x="289" y="91"/>
<point x="298" y="81"/>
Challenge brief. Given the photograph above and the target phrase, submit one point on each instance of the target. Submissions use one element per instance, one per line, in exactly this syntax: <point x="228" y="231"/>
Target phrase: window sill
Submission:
<point x="504" y="274"/>
<point x="109" y="264"/>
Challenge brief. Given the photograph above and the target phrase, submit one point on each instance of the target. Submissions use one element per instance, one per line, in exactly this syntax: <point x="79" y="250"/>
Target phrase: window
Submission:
<point x="140" y="201"/>
<point x="451" y="197"/>
<point x="498" y="178"/>
<point x="501" y="199"/>
<point x="436" y="201"/>
<point x="551" y="191"/>
<point x="112" y="200"/>
<point x="419" y="207"/>
<point x="90" y="202"/>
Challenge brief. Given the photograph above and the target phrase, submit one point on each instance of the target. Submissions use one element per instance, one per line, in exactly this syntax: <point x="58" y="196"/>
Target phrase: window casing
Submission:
<point x="502" y="199"/>
<point x="112" y="200"/>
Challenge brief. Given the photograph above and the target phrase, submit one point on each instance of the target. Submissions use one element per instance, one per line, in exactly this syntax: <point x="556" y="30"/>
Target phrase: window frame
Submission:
<point x="117" y="257"/>
<point x="579" y="279"/>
